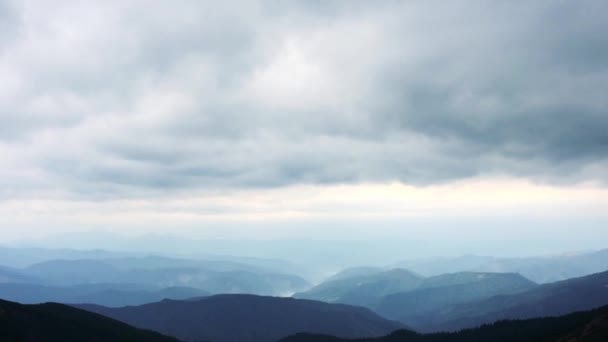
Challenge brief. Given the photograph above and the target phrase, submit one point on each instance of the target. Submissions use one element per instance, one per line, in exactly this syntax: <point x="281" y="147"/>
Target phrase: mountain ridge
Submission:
<point x="249" y="318"/>
<point x="58" y="322"/>
<point x="588" y="326"/>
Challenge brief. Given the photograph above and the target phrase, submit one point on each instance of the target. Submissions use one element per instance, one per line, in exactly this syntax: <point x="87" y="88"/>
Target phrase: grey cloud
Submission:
<point x="9" y="23"/>
<point x="183" y="98"/>
<point x="542" y="102"/>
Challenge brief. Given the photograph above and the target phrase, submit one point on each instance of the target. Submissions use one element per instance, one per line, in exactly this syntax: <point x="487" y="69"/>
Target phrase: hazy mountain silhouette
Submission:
<point x="220" y="282"/>
<point x="538" y="269"/>
<point x="436" y="293"/>
<point x="158" y="273"/>
<point x="113" y="295"/>
<point x="355" y="272"/>
<point x="249" y="318"/>
<point x="19" y="257"/>
<point x="57" y="322"/>
<point x="329" y="254"/>
<point x="11" y="275"/>
<point x="370" y="290"/>
<point x="553" y="299"/>
<point x="589" y="326"/>
<point x="362" y="287"/>
<point x="158" y="262"/>
<point x="508" y="281"/>
<point x="71" y="272"/>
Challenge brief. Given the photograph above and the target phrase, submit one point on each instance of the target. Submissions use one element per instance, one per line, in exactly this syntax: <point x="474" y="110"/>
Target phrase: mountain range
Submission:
<point x="362" y="288"/>
<point x="442" y="303"/>
<point x="540" y="269"/>
<point x="403" y="290"/>
<point x="57" y="322"/>
<point x="212" y="276"/>
<point x="460" y="300"/>
<point x="113" y="295"/>
<point x="152" y="274"/>
<point x="546" y="300"/>
<point x="200" y="300"/>
<point x="437" y="293"/>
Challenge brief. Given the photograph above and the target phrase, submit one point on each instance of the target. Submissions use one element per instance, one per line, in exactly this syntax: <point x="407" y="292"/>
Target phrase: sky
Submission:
<point x="470" y="122"/>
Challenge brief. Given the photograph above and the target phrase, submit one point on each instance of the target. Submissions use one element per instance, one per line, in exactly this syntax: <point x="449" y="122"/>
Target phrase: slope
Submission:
<point x="362" y="288"/>
<point x="244" y="318"/>
<point x="552" y="299"/>
<point x="57" y="322"/>
<point x="589" y="326"/>
<point x="436" y="293"/>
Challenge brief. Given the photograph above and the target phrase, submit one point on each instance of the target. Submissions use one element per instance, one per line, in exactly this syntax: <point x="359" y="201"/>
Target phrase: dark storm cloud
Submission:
<point x="120" y="99"/>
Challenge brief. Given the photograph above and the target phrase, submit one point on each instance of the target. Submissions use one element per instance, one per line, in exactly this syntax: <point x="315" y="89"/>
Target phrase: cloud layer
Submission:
<point x="116" y="99"/>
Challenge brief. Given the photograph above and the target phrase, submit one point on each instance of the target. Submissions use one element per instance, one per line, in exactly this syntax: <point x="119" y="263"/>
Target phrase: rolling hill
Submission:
<point x="436" y="293"/>
<point x="397" y="293"/>
<point x="362" y="287"/>
<point x="249" y="318"/>
<point x="57" y="322"/>
<point x="113" y="295"/>
<point x="552" y="299"/>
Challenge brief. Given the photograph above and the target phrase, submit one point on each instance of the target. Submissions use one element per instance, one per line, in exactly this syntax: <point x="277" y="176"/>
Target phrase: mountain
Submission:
<point x="400" y="294"/>
<point x="156" y="262"/>
<point x="362" y="288"/>
<point x="216" y="276"/>
<point x="158" y="273"/>
<point x="119" y="298"/>
<point x="436" y="293"/>
<point x="355" y="272"/>
<point x="228" y="318"/>
<point x="329" y="255"/>
<point x="538" y="269"/>
<point x="219" y="282"/>
<point x="57" y="322"/>
<point x="589" y="326"/>
<point x="114" y="295"/>
<point x="20" y="257"/>
<point x="553" y="299"/>
<point x="71" y="272"/>
<point x="26" y="256"/>
<point x="11" y="275"/>
<point x="504" y="280"/>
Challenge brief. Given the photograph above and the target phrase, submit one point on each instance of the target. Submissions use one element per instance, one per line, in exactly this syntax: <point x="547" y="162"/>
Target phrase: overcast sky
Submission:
<point x="297" y="118"/>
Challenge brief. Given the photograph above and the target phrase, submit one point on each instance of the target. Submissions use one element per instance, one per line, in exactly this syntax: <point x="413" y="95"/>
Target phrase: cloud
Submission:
<point x="121" y="99"/>
<point x="470" y="212"/>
